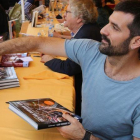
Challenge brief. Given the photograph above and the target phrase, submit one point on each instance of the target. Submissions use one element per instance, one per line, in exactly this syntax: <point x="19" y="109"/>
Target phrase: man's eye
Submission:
<point x="114" y="27"/>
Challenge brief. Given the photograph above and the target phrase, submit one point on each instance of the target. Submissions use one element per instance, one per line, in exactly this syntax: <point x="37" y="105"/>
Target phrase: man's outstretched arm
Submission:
<point x="45" y="45"/>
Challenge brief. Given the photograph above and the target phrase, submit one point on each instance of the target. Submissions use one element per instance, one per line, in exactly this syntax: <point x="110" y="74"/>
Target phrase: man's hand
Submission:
<point x="73" y="131"/>
<point x="46" y="58"/>
<point x="56" y="34"/>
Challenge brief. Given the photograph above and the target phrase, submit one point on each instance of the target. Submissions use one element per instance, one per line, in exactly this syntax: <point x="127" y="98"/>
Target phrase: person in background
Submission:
<point x="59" y="17"/>
<point x="28" y="7"/>
<point x="5" y="4"/>
<point x="111" y="75"/>
<point x="103" y="12"/>
<point x="80" y="18"/>
<point x="12" y="2"/>
<point x="3" y="23"/>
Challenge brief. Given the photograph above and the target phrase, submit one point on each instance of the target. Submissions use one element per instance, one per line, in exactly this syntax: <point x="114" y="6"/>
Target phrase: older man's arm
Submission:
<point x="53" y="46"/>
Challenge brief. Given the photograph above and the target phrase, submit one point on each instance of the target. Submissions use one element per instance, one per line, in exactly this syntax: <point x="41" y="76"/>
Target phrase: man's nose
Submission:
<point x="104" y="30"/>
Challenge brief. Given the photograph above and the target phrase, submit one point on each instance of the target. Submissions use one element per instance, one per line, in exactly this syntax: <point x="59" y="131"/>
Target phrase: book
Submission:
<point x="9" y="86"/>
<point x="8" y="74"/>
<point x="17" y="54"/>
<point x="34" y="19"/>
<point x="15" y="60"/>
<point x="41" y="113"/>
<point x="14" y="28"/>
<point x="40" y="9"/>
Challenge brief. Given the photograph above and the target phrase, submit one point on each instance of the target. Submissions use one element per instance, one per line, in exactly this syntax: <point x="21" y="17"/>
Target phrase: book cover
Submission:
<point x="8" y="74"/>
<point x="40" y="9"/>
<point x="41" y="113"/>
<point x="14" y="28"/>
<point x="34" y="19"/>
<point x="14" y="60"/>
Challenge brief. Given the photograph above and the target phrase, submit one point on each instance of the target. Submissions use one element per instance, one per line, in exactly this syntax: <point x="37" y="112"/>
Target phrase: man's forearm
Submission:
<point x="44" y="45"/>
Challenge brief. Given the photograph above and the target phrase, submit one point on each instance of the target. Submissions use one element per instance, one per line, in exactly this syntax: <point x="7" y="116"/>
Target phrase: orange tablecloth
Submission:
<point x="13" y="127"/>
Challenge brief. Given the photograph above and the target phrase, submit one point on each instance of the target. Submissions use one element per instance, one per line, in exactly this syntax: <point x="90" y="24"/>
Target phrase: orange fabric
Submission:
<point x="46" y="75"/>
<point x="12" y="127"/>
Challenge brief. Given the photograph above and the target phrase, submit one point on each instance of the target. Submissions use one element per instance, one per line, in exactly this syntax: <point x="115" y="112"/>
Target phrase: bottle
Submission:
<point x="51" y="23"/>
<point x="38" y="34"/>
<point x="47" y="19"/>
<point x="50" y="32"/>
<point x="51" y="5"/>
<point x="57" y="8"/>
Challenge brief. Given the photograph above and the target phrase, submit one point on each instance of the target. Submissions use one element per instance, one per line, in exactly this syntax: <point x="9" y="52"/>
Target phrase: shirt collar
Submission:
<point x="73" y="35"/>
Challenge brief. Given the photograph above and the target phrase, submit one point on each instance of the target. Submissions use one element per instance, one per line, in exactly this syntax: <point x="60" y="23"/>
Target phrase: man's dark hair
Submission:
<point x="131" y="7"/>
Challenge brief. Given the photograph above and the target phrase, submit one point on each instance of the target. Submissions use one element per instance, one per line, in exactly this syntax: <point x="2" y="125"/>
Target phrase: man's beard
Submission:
<point x="119" y="50"/>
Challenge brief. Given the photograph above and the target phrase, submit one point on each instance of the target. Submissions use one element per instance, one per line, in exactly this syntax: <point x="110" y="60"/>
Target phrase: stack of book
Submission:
<point x="8" y="78"/>
<point x="15" y="60"/>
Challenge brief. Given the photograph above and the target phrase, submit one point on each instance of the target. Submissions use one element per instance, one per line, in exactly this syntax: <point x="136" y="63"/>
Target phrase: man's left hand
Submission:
<point x="73" y="131"/>
<point x="45" y="58"/>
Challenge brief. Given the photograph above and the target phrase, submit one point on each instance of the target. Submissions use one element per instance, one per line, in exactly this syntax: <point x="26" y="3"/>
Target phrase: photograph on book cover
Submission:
<point x="8" y="77"/>
<point x="42" y="110"/>
<point x="3" y="73"/>
<point x="18" y="60"/>
<point x="14" y="28"/>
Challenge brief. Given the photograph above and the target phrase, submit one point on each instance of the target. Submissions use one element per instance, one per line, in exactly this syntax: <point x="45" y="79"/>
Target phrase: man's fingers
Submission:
<point x="69" y="118"/>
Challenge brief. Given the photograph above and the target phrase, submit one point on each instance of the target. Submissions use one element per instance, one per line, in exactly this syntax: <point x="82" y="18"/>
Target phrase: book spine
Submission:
<point x="43" y="126"/>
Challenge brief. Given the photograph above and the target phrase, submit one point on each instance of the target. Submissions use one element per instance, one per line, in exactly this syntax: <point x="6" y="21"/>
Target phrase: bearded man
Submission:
<point x="111" y="76"/>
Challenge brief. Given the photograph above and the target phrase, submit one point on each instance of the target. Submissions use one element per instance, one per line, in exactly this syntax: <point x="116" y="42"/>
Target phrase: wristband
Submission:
<point x="87" y="135"/>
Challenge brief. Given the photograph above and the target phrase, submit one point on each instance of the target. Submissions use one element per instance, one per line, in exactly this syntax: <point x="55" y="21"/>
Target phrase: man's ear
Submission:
<point x="135" y="42"/>
<point x="79" y="20"/>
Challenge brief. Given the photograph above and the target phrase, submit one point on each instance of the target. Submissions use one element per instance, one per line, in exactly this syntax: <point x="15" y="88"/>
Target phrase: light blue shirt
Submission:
<point x="110" y="108"/>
